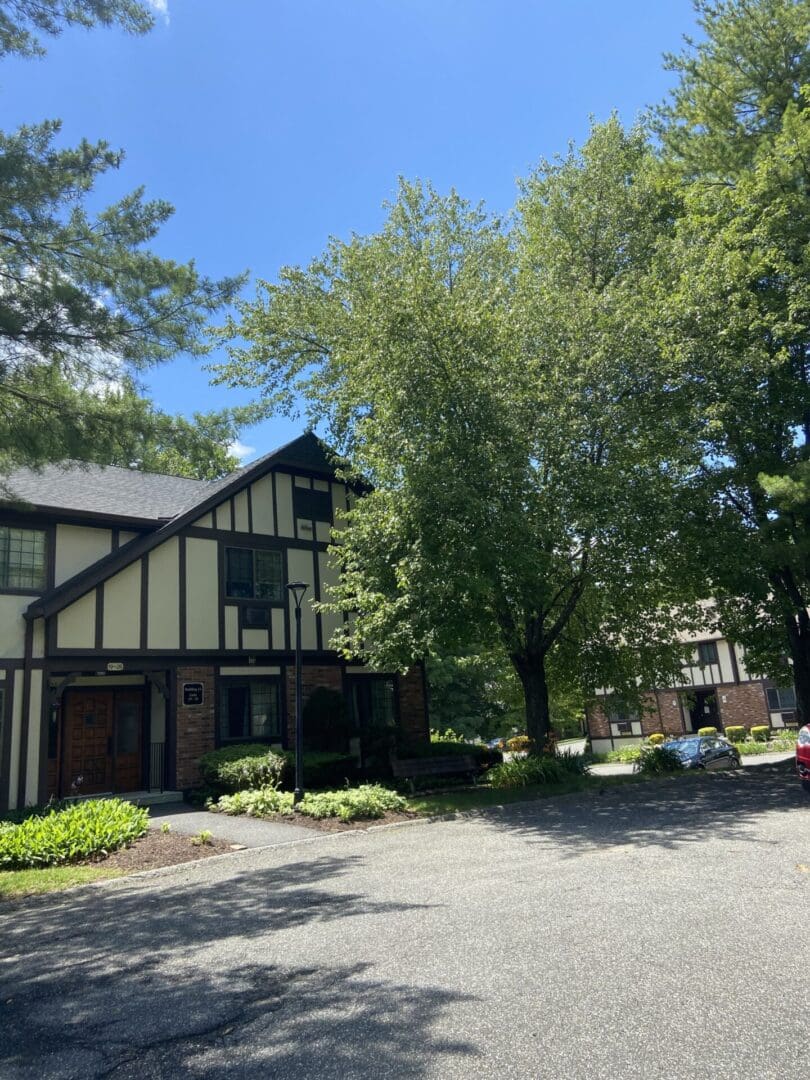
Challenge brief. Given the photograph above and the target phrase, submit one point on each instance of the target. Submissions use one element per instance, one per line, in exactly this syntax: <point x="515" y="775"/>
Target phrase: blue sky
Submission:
<point x="273" y="124"/>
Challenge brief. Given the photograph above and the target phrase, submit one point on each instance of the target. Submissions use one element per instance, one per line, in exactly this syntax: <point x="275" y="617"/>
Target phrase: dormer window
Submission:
<point x="22" y="559"/>
<point x="252" y="574"/>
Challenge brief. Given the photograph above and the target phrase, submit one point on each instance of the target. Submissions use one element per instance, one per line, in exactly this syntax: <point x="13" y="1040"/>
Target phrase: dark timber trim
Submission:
<point x="24" y="718"/>
<point x="99" y="617"/>
<point x="85" y="580"/>
<point x="181" y="571"/>
<point x="5" y="741"/>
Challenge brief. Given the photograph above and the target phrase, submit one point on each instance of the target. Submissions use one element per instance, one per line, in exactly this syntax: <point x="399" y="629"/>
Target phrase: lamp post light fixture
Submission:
<point x="297" y="590"/>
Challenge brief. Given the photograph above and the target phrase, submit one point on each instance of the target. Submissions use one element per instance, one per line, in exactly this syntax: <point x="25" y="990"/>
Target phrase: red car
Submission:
<point x="803" y="756"/>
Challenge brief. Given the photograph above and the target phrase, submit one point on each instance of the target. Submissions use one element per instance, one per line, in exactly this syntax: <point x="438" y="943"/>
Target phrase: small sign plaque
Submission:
<point x="193" y="693"/>
<point x="115" y="665"/>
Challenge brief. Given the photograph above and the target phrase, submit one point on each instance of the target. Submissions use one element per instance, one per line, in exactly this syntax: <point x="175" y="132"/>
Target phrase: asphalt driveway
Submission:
<point x="654" y="931"/>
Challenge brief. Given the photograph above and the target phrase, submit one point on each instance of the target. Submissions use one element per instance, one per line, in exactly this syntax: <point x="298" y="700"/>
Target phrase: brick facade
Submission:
<point x="196" y="725"/>
<point x="598" y="725"/>
<point x="671" y="719"/>
<point x="738" y="704"/>
<point x="413" y="719"/>
<point x="312" y="677"/>
<point x="745" y="704"/>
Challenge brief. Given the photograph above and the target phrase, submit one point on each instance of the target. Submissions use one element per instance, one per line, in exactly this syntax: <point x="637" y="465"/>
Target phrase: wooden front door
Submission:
<point x="102" y="741"/>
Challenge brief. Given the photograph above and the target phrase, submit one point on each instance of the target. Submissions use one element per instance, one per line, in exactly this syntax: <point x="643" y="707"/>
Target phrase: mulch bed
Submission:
<point x="163" y="849"/>
<point x="390" y="817"/>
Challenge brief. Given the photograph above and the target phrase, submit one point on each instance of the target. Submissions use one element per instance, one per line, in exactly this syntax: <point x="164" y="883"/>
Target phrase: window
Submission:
<point x="707" y="653"/>
<point x="22" y="558"/>
<point x="781" y="698"/>
<point x="312" y="505"/>
<point x="254" y="575"/>
<point x="622" y="717"/>
<point x="249" y="709"/>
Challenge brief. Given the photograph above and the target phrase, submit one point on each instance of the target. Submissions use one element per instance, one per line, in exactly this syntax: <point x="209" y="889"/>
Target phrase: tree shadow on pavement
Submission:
<point x="251" y="1021"/>
<point x="666" y="813"/>
<point x="179" y="917"/>
<point x="118" y="981"/>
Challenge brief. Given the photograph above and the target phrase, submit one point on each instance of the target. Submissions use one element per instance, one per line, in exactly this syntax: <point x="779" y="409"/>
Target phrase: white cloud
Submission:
<point x="239" y="450"/>
<point x="160" y="7"/>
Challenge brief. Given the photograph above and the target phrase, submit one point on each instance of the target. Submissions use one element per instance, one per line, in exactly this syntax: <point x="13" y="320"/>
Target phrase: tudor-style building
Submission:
<point x="715" y="690"/>
<point x="144" y="620"/>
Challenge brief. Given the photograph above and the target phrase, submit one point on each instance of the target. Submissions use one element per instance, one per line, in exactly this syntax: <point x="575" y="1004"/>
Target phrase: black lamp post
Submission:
<point x="298" y="588"/>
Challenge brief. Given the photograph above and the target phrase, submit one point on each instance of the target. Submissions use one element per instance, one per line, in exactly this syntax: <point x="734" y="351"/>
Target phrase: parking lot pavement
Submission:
<point x="651" y="932"/>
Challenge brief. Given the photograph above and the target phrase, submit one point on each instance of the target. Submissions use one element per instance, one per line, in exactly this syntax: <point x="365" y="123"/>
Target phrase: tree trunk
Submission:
<point x="798" y="630"/>
<point x="531" y="670"/>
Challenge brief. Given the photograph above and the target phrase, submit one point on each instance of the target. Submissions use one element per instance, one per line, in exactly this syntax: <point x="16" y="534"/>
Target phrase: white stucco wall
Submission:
<point x="122" y="609"/>
<point x="76" y="624"/>
<point x="163" y="607"/>
<point x="202" y="594"/>
<point x="77" y="547"/>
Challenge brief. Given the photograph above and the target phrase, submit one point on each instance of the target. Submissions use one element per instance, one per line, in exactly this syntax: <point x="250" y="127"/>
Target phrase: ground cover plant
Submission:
<point x="70" y="834"/>
<point x="368" y="801"/>
<point x="654" y="760"/>
<point x="523" y="772"/>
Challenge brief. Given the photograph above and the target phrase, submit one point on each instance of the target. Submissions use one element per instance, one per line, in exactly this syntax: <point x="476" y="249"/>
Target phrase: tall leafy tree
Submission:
<point x="494" y="385"/>
<point x="84" y="303"/>
<point x="734" y="309"/>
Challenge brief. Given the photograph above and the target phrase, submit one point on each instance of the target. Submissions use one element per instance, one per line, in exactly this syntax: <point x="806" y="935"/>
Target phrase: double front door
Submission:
<point x="102" y="741"/>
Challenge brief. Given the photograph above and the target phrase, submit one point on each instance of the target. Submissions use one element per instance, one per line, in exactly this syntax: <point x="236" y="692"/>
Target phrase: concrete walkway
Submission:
<point x="247" y="831"/>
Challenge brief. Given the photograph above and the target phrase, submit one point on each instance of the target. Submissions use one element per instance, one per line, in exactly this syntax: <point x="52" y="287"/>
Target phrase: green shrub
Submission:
<point x="70" y="833"/>
<point x="446" y="736"/>
<point x="707" y="731"/>
<point x="736" y="733"/>
<point x="750" y="748"/>
<point x="656" y="738"/>
<point x="237" y="768"/>
<point x="364" y="802"/>
<point x="259" y="803"/>
<point x="573" y="764"/>
<point x="327" y="726"/>
<point x="527" y="771"/>
<point x="520" y="744"/>
<point x="784" y="740"/>
<point x="321" y="770"/>
<point x="360" y="803"/>
<point x="625" y="755"/>
<point x="760" y="732"/>
<point x="653" y="760"/>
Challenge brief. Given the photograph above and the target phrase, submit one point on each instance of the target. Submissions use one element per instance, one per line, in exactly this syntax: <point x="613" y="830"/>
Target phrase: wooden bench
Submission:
<point x="449" y="765"/>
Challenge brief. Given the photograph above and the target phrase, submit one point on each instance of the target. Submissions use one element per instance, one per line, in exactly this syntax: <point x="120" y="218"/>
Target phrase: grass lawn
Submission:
<point x="17" y="883"/>
<point x="448" y="802"/>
